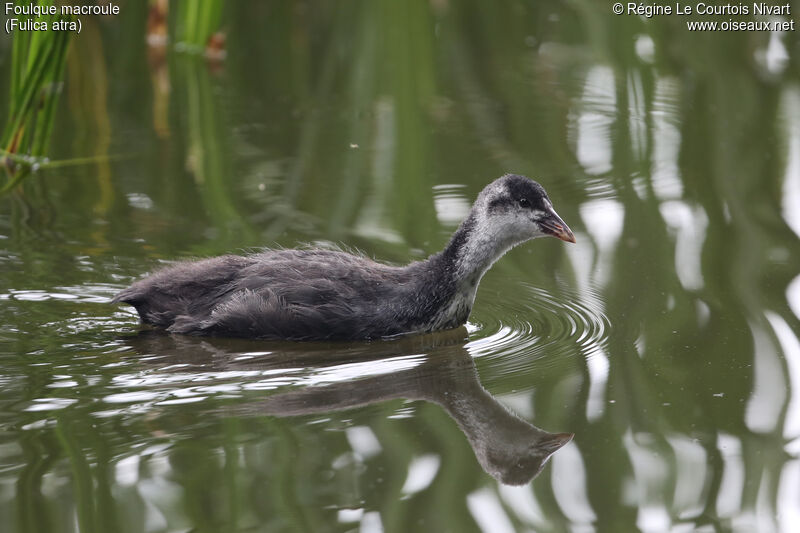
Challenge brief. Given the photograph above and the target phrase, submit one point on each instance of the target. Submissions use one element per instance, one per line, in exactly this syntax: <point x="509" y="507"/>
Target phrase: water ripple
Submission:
<point x="135" y="374"/>
<point x="537" y="322"/>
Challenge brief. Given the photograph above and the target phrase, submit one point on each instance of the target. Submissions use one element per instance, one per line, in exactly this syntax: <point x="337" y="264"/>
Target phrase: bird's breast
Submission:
<point x="455" y="312"/>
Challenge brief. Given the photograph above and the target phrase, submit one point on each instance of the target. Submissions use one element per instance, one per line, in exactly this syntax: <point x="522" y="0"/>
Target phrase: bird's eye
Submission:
<point x="523" y="202"/>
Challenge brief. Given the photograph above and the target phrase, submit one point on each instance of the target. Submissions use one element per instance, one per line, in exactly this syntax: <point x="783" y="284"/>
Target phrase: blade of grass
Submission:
<point x="31" y="85"/>
<point x="19" y="58"/>
<point x="46" y="117"/>
<point x="38" y="63"/>
<point x="196" y="22"/>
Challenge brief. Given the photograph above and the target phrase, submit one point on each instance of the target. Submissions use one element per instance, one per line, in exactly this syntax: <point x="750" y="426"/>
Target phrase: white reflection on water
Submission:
<point x="645" y="48"/>
<point x="666" y="140"/>
<point x="350" y="371"/>
<point x="790" y="203"/>
<point x="522" y="500"/>
<point x="793" y="296"/>
<point x="140" y="201"/>
<point x="598" y="366"/>
<point x="165" y="386"/>
<point x="363" y="441"/>
<point x="690" y="478"/>
<point x="581" y="255"/>
<point x="349" y="515"/>
<point x="68" y="384"/>
<point x="729" y="497"/>
<point x="451" y="204"/>
<point x="421" y="473"/>
<point x="604" y="220"/>
<point x="651" y="474"/>
<point x="569" y="485"/>
<point x="652" y="517"/>
<point x="371" y="523"/>
<point x="764" y="407"/>
<point x="637" y="114"/>
<point x="789" y="496"/>
<point x="126" y="471"/>
<point x="488" y="512"/>
<point x="520" y="402"/>
<point x="791" y="352"/>
<point x="49" y="404"/>
<point x="690" y="226"/>
<point x="774" y="57"/>
<point x="94" y="293"/>
<point x="160" y="497"/>
<point x="131" y="397"/>
<point x="592" y="129"/>
<point x="372" y="217"/>
<point x="179" y="401"/>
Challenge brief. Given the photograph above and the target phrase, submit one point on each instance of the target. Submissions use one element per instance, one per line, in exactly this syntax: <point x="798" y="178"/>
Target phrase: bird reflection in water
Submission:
<point x="508" y="448"/>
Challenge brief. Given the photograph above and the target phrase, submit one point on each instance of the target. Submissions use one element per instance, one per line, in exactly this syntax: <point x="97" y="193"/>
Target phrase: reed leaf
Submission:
<point x="37" y="68"/>
<point x="195" y="23"/>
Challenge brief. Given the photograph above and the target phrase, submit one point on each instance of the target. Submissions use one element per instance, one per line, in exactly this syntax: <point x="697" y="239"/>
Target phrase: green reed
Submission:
<point x="195" y="23"/>
<point x="38" y="59"/>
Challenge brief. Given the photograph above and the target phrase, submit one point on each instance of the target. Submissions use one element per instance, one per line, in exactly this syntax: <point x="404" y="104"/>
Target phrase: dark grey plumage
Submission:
<point x="311" y="294"/>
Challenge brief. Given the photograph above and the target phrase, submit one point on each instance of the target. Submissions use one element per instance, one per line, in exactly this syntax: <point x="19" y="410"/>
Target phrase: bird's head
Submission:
<point x="519" y="208"/>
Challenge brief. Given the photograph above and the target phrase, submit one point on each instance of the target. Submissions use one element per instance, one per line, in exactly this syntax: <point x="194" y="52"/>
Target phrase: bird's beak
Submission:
<point x="554" y="441"/>
<point x="553" y="225"/>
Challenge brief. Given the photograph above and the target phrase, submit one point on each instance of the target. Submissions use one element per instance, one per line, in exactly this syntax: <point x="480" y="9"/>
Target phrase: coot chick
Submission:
<point x="312" y="294"/>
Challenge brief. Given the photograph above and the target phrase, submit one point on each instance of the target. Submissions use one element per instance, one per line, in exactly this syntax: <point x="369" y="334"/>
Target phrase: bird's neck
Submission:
<point x="458" y="269"/>
<point x="472" y="250"/>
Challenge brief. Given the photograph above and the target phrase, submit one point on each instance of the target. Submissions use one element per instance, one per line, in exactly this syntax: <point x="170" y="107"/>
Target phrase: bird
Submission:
<point x="313" y="294"/>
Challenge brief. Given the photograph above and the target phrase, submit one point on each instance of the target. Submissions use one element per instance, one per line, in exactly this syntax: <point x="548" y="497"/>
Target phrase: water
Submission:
<point x="665" y="339"/>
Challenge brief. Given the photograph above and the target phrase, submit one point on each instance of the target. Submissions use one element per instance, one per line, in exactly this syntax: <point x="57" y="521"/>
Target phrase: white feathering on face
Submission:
<point x="492" y="236"/>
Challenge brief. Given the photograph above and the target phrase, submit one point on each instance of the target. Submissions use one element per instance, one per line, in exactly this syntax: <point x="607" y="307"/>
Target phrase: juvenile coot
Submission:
<point x="311" y="294"/>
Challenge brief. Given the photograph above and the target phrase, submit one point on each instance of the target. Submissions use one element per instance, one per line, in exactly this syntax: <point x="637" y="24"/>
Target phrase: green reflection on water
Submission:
<point x="665" y="339"/>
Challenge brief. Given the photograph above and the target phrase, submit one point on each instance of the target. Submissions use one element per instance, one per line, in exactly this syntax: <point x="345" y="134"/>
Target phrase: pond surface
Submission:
<point x="665" y="339"/>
